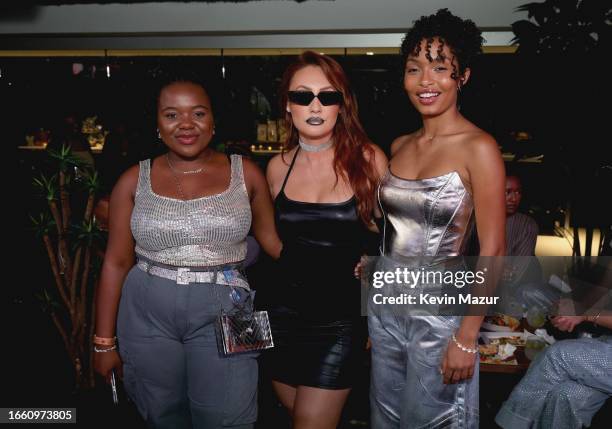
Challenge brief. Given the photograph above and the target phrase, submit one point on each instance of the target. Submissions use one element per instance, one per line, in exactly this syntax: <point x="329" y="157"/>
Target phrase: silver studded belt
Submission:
<point x="229" y="276"/>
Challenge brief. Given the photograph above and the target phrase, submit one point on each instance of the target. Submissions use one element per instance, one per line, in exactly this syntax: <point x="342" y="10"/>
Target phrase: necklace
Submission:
<point x="176" y="180"/>
<point x="316" y="147"/>
<point x="429" y="138"/>
<point x="199" y="170"/>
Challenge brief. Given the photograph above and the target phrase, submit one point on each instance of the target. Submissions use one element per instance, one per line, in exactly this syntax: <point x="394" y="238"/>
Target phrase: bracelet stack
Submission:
<point x="462" y="347"/>
<point x="104" y="341"/>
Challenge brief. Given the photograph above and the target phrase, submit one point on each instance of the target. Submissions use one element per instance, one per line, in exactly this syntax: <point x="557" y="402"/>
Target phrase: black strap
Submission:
<point x="289" y="171"/>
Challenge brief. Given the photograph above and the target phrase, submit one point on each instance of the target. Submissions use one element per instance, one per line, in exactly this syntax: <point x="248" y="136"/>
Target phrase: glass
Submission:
<point x="533" y="346"/>
<point x="536" y="317"/>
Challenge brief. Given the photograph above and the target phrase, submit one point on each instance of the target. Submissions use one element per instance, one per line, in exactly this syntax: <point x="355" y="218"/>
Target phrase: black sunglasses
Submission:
<point x="304" y="98"/>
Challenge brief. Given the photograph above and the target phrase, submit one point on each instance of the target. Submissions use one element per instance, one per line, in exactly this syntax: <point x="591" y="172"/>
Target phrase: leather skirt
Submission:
<point x="327" y="354"/>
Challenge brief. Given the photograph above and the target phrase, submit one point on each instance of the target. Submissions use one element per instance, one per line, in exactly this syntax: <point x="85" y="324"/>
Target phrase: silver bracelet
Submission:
<point x="462" y="347"/>
<point x="110" y="349"/>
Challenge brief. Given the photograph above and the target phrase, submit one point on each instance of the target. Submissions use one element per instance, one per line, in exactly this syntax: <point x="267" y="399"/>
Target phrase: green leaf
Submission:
<point x="91" y="182"/>
<point x="47" y="186"/>
<point x="43" y="224"/>
<point x="65" y="158"/>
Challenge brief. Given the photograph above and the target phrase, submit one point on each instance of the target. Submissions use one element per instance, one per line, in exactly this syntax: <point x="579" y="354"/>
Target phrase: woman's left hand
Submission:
<point x="357" y="269"/>
<point x="457" y="365"/>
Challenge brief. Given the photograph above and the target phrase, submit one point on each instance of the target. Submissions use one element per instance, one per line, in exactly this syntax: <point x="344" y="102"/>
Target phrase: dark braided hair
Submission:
<point x="461" y="36"/>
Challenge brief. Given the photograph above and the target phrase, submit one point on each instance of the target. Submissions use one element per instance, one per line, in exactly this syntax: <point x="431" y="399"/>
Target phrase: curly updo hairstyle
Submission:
<point x="461" y="36"/>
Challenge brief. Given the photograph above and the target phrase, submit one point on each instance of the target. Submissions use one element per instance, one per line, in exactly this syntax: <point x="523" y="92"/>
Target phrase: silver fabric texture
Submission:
<point x="204" y="231"/>
<point x="425" y="217"/>
<point x="564" y="387"/>
<point x="429" y="218"/>
<point x="407" y="389"/>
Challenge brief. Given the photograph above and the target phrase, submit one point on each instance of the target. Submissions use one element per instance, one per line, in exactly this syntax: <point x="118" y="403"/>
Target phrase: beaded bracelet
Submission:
<point x="110" y="349"/>
<point x="462" y="347"/>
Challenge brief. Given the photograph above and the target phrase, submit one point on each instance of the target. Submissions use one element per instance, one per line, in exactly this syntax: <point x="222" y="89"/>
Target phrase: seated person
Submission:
<point x="567" y="383"/>
<point x="521" y="229"/>
<point x="522" y="287"/>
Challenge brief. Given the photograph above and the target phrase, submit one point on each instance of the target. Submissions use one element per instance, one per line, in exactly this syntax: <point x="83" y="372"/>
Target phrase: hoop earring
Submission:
<point x="158" y="134"/>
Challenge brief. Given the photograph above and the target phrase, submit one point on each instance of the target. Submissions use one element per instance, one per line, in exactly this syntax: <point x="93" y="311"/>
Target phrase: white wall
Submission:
<point x="269" y="16"/>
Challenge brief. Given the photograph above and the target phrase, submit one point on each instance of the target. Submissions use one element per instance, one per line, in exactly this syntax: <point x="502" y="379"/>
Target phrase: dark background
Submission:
<point x="504" y="95"/>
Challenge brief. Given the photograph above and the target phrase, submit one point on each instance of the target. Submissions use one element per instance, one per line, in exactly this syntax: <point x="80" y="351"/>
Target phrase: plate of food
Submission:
<point x="516" y="339"/>
<point x="501" y="323"/>
<point x="497" y="354"/>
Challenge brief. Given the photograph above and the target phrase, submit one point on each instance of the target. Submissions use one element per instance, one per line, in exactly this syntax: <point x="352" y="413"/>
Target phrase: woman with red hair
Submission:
<point x="323" y="185"/>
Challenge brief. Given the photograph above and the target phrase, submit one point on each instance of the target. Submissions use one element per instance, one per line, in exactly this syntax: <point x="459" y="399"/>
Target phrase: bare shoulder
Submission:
<point x="401" y="142"/>
<point x="249" y="166"/>
<point x="128" y="181"/>
<point x="482" y="158"/>
<point x="377" y="157"/>
<point x="278" y="166"/>
<point x="480" y="146"/>
<point x="375" y="150"/>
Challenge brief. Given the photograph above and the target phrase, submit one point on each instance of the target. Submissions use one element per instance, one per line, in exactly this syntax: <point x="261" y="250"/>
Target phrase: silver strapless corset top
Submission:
<point x="425" y="217"/>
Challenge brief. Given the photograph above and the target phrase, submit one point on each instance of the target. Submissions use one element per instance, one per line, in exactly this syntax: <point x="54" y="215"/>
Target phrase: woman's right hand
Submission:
<point x="105" y="362"/>
<point x="567" y="323"/>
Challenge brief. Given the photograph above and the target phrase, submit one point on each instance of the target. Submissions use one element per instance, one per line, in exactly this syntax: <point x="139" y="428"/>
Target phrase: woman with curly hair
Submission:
<point x="424" y="366"/>
<point x="323" y="187"/>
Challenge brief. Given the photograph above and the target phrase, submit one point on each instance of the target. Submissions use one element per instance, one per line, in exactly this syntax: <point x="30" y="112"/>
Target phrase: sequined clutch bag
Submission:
<point x="245" y="332"/>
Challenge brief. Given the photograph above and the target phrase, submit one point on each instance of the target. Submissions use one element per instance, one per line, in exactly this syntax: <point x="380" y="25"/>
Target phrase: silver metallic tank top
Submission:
<point x="425" y="217"/>
<point x="205" y="231"/>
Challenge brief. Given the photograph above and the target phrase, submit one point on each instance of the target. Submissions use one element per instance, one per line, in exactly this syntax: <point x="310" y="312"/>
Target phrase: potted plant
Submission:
<point x="73" y="245"/>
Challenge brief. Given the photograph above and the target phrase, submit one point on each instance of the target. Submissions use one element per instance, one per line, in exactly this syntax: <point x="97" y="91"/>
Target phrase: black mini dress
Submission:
<point x="319" y="334"/>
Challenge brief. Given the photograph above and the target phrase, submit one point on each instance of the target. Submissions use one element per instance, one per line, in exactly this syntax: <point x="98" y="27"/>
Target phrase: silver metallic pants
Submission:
<point x="564" y="387"/>
<point x="407" y="389"/>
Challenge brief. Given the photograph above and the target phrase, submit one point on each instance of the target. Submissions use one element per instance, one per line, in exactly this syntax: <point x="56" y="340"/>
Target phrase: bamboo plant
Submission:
<point x="73" y="247"/>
